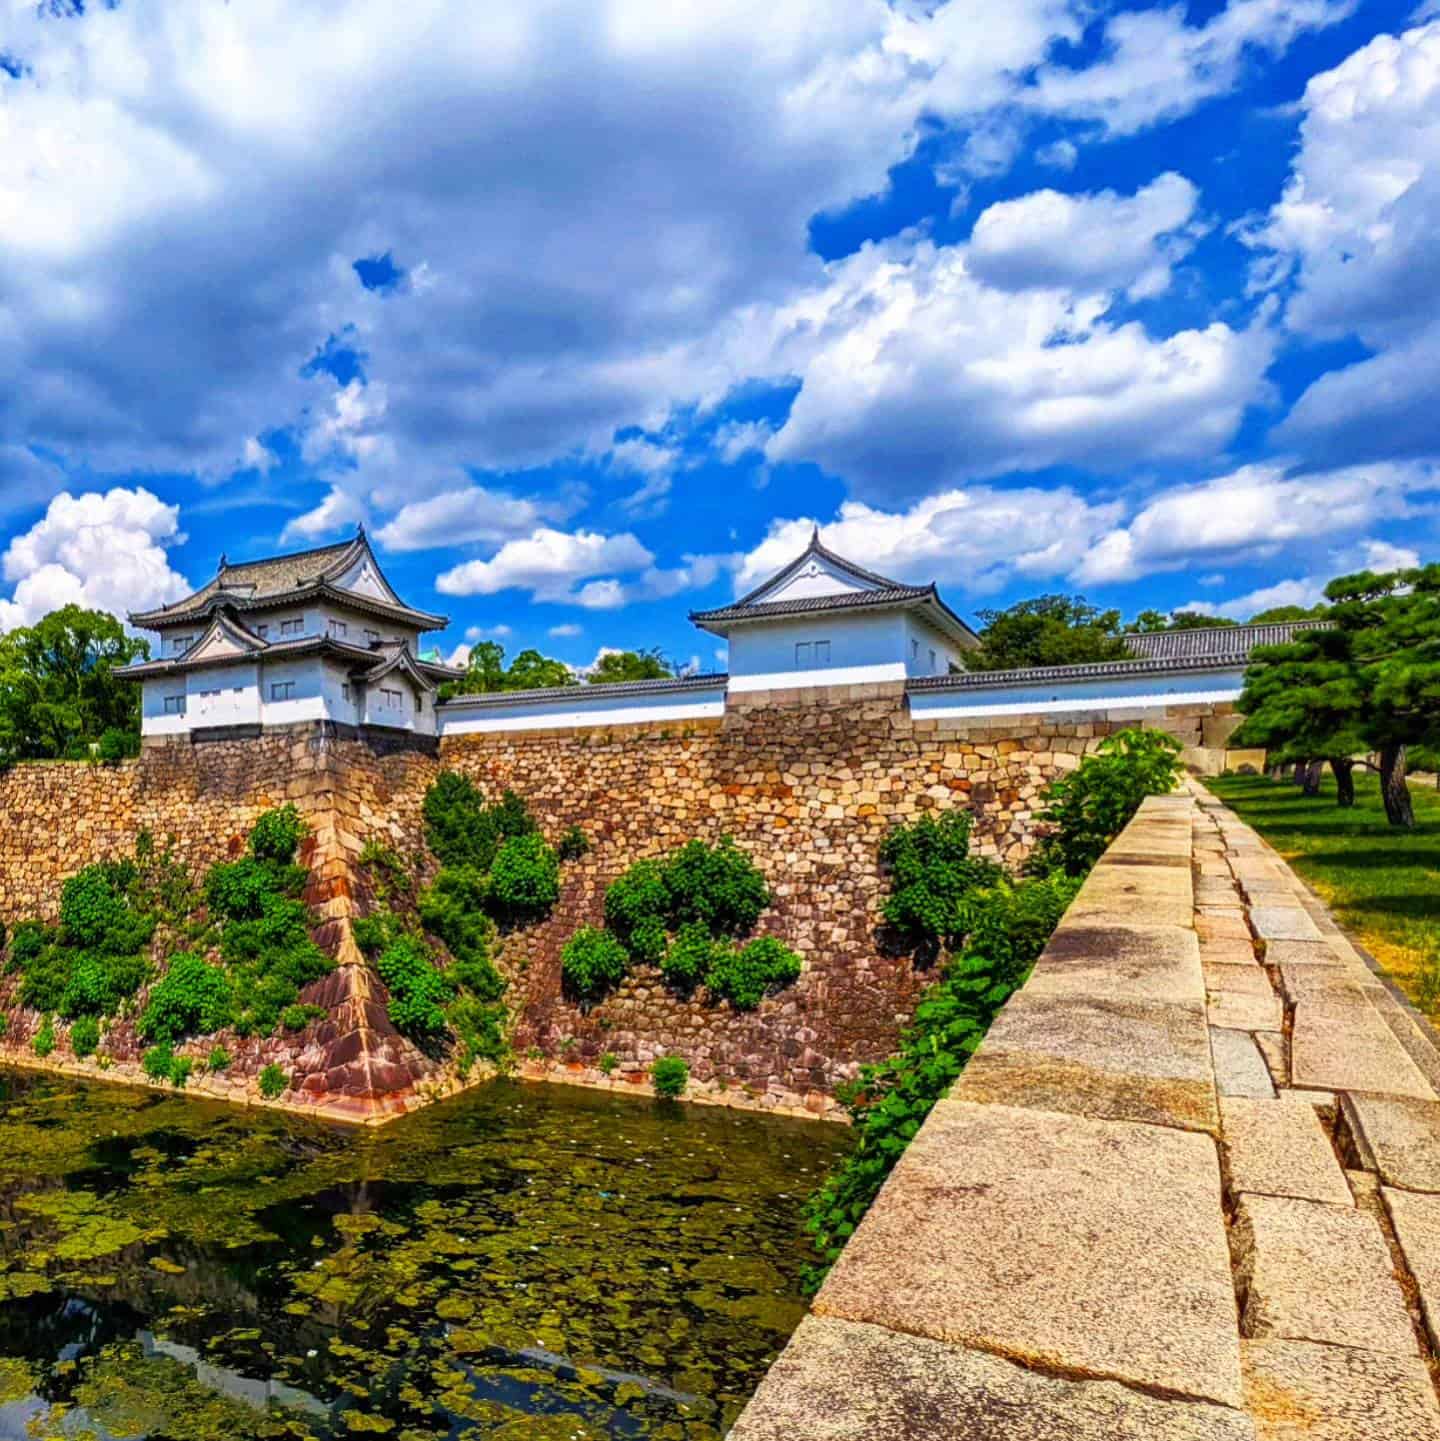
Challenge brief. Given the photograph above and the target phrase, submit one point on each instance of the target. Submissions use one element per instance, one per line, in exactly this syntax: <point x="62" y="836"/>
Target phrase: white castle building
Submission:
<point x="321" y="636"/>
<point x="315" y="636"/>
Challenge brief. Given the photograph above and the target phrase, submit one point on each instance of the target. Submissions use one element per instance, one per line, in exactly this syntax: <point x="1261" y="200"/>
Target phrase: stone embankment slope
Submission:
<point x="1187" y="1190"/>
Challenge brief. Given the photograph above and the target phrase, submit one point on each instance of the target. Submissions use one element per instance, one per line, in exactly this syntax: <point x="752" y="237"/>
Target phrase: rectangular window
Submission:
<point x="914" y="650"/>
<point x="292" y="627"/>
<point x="181" y="643"/>
<point x="262" y="631"/>
<point x="282" y="689"/>
<point x="802" y="655"/>
<point x="345" y="691"/>
<point x="338" y="629"/>
<point x="932" y="662"/>
<point x="210" y="695"/>
<point x="822" y="652"/>
<point x="174" y="705"/>
<point x="372" y="637"/>
<point x="391" y="698"/>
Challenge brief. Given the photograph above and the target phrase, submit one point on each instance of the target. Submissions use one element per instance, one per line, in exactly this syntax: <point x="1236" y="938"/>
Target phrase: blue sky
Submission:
<point x="590" y="310"/>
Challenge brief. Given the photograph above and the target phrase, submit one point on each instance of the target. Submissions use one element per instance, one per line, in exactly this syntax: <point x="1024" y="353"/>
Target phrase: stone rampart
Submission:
<point x="1188" y="1188"/>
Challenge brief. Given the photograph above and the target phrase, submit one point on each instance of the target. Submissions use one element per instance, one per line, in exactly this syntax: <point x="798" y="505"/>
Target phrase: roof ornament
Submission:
<point x="224" y="561"/>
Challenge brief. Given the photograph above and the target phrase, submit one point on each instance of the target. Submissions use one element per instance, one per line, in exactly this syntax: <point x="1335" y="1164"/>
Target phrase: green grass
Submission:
<point x="1381" y="884"/>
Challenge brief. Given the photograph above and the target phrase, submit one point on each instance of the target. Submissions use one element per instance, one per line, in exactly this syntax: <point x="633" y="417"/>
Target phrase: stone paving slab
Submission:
<point x="1079" y="1052"/>
<point x="1302" y="953"/>
<point x="1311" y="1272"/>
<point x="1325" y="991"/>
<point x="1351" y="1055"/>
<point x="1240" y="1069"/>
<point x="1298" y="1391"/>
<point x="1241" y="998"/>
<point x="1279" y="1148"/>
<point x="1416" y="1218"/>
<point x="1399" y="1138"/>
<point x="1272" y="1048"/>
<point x="1121" y="963"/>
<point x="842" y="1381"/>
<point x="1283" y="923"/>
<point x="1091" y="1247"/>
<point x="1230" y="951"/>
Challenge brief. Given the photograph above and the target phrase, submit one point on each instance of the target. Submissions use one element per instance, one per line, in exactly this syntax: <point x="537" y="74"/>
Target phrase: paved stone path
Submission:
<point x="1187" y="1190"/>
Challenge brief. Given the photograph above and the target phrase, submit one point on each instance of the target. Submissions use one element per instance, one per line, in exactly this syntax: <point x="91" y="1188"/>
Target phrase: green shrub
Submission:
<point x="742" y="975"/>
<point x="592" y="961"/>
<point x="1006" y="930"/>
<point x="718" y="887"/>
<point x="159" y="1061"/>
<point x="97" y="982"/>
<point x="191" y="998"/>
<point x="26" y="942"/>
<point x="180" y="1069"/>
<point x="388" y="873"/>
<point x="96" y="912"/>
<point x="4" y="1023"/>
<point x="480" y="1029"/>
<point x="670" y="1075"/>
<point x="270" y="958"/>
<point x="691" y="955"/>
<point x="376" y="931"/>
<point x="573" y="844"/>
<point x="452" y="907"/>
<point x="85" y="1036"/>
<point x="418" y="992"/>
<point x="608" y="1063"/>
<point x="219" y="1059"/>
<point x="636" y="909"/>
<point x="44" y="1041"/>
<point x="117" y="745"/>
<point x="45" y="975"/>
<point x="931" y="874"/>
<point x="273" y="1082"/>
<point x="462" y="830"/>
<point x="297" y="1017"/>
<point x="240" y="890"/>
<point x="276" y="836"/>
<point x="1088" y="808"/>
<point x="524" y="879"/>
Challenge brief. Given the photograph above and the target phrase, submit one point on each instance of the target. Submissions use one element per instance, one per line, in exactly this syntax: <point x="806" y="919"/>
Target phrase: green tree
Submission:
<point x="1280" y="613"/>
<point x="622" y="665"/>
<point x="57" y="684"/>
<point x="1370" y="682"/>
<point x="486" y="672"/>
<point x="1047" y="630"/>
<point x="1149" y="621"/>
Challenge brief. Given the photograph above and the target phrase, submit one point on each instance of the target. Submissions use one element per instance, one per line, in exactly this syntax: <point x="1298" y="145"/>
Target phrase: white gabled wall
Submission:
<point x="862" y="649"/>
<point x="926" y="650"/>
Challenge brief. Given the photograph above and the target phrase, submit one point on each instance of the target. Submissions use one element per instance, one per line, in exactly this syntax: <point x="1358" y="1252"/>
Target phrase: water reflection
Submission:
<point x="525" y="1262"/>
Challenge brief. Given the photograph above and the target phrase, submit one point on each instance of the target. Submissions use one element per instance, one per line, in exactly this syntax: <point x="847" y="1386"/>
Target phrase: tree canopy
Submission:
<point x="1278" y="613"/>
<point x="486" y="671"/>
<point x="58" y="691"/>
<point x="622" y="665"/>
<point x="1368" y="683"/>
<point x="1047" y="630"/>
<point x="1150" y="621"/>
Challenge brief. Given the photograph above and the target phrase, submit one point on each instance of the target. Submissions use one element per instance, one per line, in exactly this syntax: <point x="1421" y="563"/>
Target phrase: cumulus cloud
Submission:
<point x="103" y="551"/>
<point x="1255" y="513"/>
<point x="1104" y="241"/>
<point x="1306" y="591"/>
<point x="473" y="514"/>
<point x="547" y="563"/>
<point x="1356" y="229"/>
<point x="1154" y="66"/>
<point x="136" y="197"/>
<point x="917" y="375"/>
<point x="977" y="539"/>
<point x="736" y="439"/>
<point x="564" y="632"/>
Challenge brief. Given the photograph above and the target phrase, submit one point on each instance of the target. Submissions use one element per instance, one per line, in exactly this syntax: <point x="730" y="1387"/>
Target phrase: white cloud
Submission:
<point x="1306" y="592"/>
<point x="1058" y="155"/>
<point x="917" y="375"/>
<point x="655" y="463"/>
<point x="1102" y="241"/>
<point x="547" y="563"/>
<point x="163" y="164"/>
<point x="1381" y="555"/>
<point x="1356" y="227"/>
<point x="736" y="439"/>
<point x="473" y="514"/>
<point x="475" y="633"/>
<point x="1255" y="513"/>
<point x="1155" y="67"/>
<point x="340" y="510"/>
<point x="103" y="551"/>
<point x="563" y="632"/>
<point x="257" y="456"/>
<point x="977" y="539"/>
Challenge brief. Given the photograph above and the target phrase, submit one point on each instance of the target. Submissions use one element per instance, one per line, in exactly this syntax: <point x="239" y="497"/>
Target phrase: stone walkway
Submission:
<point x="1187" y="1190"/>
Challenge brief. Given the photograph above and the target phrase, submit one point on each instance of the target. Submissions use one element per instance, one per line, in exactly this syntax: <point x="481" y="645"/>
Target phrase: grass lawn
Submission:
<point x="1382" y="885"/>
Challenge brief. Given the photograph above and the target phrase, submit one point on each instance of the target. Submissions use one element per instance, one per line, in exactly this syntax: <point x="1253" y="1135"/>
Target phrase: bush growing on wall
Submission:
<point x="670" y="1075"/>
<point x="743" y="974"/>
<point x="191" y="998"/>
<point x="932" y="873"/>
<point x="462" y="830"/>
<point x="524" y="879"/>
<point x="1087" y="809"/>
<point x="592" y="962"/>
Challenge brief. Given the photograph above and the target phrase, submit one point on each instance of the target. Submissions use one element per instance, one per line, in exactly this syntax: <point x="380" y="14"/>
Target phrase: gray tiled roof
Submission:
<point x="807" y="605"/>
<point x="1174" y="652"/>
<point x="616" y="690"/>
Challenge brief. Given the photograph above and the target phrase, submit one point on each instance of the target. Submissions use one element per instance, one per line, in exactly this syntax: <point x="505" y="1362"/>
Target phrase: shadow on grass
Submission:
<point x="1377" y="860"/>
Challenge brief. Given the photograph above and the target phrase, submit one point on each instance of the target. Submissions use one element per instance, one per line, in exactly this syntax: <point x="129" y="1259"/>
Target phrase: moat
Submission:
<point x="533" y="1263"/>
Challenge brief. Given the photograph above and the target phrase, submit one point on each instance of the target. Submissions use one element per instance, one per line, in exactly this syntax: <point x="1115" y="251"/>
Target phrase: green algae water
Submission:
<point x="532" y="1263"/>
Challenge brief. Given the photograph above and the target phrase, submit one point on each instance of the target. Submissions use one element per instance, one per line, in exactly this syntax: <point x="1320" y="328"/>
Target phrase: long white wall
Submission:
<point x="579" y="708"/>
<point x="1136" y="693"/>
